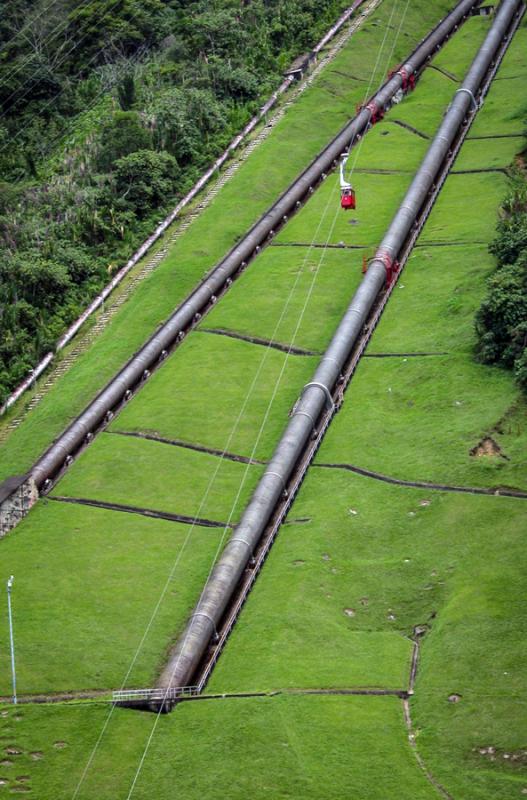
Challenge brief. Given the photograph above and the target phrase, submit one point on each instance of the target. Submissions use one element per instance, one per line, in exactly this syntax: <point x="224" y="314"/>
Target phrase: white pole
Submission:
<point x="11" y="639"/>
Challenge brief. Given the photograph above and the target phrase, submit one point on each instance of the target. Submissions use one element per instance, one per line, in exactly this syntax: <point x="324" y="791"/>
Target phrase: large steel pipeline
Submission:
<point x="222" y="583"/>
<point x="139" y="365"/>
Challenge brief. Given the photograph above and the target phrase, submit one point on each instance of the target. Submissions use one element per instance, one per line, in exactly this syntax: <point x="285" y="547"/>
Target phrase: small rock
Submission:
<point x="406" y="560"/>
<point x="391" y="617"/>
<point x="13" y="751"/>
<point x="60" y="745"/>
<point x="363" y="601"/>
<point x="353" y="512"/>
<point x="455" y="698"/>
<point x="36" y="755"/>
<point x="349" y="612"/>
<point x="411" y="513"/>
<point x="424" y="503"/>
<point x="326" y="557"/>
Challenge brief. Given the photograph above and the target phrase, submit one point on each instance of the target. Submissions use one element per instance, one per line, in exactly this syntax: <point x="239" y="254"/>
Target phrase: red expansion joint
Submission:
<point x="377" y="113"/>
<point x="391" y="266"/>
<point x="408" y="80"/>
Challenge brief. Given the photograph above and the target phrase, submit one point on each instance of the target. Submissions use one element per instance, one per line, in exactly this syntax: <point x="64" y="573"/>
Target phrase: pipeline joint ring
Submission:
<point x="243" y="541"/>
<point x="276" y="475"/>
<point x="329" y="400"/>
<point x="204" y="614"/>
<point x="304" y="414"/>
<point x="475" y="105"/>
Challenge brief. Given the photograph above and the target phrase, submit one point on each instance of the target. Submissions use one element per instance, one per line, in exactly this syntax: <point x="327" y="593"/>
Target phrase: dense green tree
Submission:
<point x="501" y="321"/>
<point x="144" y="178"/>
<point x="121" y="135"/>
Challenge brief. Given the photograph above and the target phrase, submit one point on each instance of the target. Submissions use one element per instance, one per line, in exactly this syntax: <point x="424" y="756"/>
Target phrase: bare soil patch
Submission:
<point x="487" y="447"/>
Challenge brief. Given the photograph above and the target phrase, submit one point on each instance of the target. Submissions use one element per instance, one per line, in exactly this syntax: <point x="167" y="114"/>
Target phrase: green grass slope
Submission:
<point x="259" y="748"/>
<point x="87" y="583"/>
<point x="360" y="556"/>
<point x="244" y="412"/>
<point x="346" y="583"/>
<point x="358" y="565"/>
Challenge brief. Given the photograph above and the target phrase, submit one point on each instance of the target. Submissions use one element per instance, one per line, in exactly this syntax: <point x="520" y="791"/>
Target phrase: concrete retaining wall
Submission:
<point x="17" y="495"/>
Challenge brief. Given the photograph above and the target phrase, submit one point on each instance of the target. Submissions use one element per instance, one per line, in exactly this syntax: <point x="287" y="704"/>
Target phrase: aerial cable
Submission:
<point x="187" y="538"/>
<point x="27" y="25"/>
<point x="388" y="62"/>
<point x="275" y="390"/>
<point x="56" y="66"/>
<point x="347" y="192"/>
<point x="240" y="415"/>
<point x="64" y="134"/>
<point x="61" y="25"/>
<point x="244" y="477"/>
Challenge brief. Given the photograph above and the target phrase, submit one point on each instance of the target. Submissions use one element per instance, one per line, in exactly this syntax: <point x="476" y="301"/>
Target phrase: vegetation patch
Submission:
<point x="87" y="583"/>
<point x="359" y="741"/>
<point x="393" y="555"/>
<point x="501" y="320"/>
<point x="101" y="134"/>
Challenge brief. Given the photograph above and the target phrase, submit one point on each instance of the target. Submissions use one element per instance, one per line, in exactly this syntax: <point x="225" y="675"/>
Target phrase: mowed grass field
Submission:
<point x="218" y="749"/>
<point x="221" y="393"/>
<point x="357" y="566"/>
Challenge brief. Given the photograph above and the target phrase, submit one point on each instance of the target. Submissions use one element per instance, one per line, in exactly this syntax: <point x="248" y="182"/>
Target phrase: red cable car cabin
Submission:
<point x="347" y="198"/>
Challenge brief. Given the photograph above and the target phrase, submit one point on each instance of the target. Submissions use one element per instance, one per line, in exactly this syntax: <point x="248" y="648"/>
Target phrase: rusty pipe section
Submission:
<point x="221" y="586"/>
<point x="120" y="387"/>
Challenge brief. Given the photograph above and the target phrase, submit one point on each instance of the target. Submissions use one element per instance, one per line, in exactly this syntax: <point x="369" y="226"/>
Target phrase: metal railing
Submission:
<point x="156" y="694"/>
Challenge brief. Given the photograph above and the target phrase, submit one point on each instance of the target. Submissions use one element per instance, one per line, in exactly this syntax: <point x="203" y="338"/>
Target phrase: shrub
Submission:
<point x="122" y="135"/>
<point x="145" y="178"/>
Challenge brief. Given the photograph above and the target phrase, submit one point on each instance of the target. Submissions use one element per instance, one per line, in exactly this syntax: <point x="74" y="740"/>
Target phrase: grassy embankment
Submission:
<point x="400" y="557"/>
<point x="318" y="746"/>
<point x="184" y="401"/>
